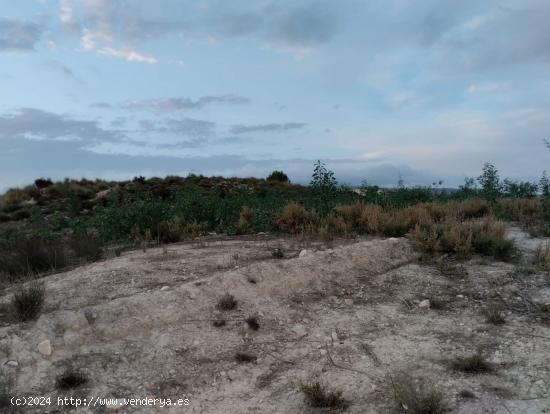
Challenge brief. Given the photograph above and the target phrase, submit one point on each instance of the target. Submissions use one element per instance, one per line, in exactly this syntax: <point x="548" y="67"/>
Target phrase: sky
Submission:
<point x="424" y="90"/>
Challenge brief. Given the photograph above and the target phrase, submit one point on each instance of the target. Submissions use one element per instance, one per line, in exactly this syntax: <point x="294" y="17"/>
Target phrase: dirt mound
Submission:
<point x="153" y="325"/>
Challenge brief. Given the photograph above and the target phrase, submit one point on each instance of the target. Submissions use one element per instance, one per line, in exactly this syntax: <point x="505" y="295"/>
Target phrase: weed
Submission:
<point x="278" y="253"/>
<point x="318" y="396"/>
<point x="246" y="218"/>
<point x="474" y="364"/>
<point x="466" y="394"/>
<point x="438" y="303"/>
<point x="251" y="279"/>
<point x="493" y="313"/>
<point x="245" y="358"/>
<point x="418" y="397"/>
<point x="253" y="322"/>
<point x="227" y="302"/>
<point x="71" y="379"/>
<point x="218" y="323"/>
<point x="542" y="256"/>
<point x="27" y="302"/>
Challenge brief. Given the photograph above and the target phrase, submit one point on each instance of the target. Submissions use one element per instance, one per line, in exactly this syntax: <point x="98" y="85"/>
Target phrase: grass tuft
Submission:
<point x="227" y="302"/>
<point x="71" y="379"/>
<point x="474" y="364"/>
<point x="245" y="358"/>
<point x="27" y="301"/>
<point x="418" y="397"/>
<point x="253" y="322"/>
<point x="318" y="396"/>
<point x="493" y="313"/>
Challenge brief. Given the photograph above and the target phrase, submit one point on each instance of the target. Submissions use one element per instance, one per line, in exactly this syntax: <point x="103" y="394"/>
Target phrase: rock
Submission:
<point x="348" y="302"/>
<point x="12" y="363"/>
<point x="303" y="253"/>
<point x="165" y="288"/>
<point x="460" y="296"/>
<point x="425" y="304"/>
<point x="299" y="329"/>
<point x="45" y="347"/>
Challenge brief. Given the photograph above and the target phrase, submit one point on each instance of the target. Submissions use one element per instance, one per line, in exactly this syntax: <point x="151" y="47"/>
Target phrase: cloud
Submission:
<point x="180" y="104"/>
<point x="35" y="124"/>
<point x="128" y="55"/>
<point x="18" y="36"/>
<point x="244" y="129"/>
<point x="64" y="70"/>
<point x="101" y="105"/>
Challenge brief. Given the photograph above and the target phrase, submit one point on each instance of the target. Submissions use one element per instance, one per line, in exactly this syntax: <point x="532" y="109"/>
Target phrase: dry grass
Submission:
<point x="318" y="396"/>
<point x="246" y="218"/>
<point x="493" y="313"/>
<point x="520" y="209"/>
<point x="418" y="397"/>
<point x="295" y="219"/>
<point x="27" y="302"/>
<point x="542" y="256"/>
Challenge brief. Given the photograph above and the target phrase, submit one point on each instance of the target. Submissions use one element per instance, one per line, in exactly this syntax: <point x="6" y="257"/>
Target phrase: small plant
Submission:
<point x="542" y="256"/>
<point x="438" y="303"/>
<point x="245" y="358"/>
<point x="246" y="218"/>
<point x="278" y="253"/>
<point x="227" y="302"/>
<point x="251" y="279"/>
<point x="466" y="394"/>
<point x="71" y="379"/>
<point x="493" y="314"/>
<point x="318" y="396"/>
<point x="418" y="397"/>
<point x="474" y="364"/>
<point x="253" y="323"/>
<point x="218" y="323"/>
<point x="86" y="245"/>
<point x="27" y="302"/>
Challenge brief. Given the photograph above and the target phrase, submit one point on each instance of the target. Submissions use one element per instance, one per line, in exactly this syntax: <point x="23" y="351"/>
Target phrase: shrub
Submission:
<point x="318" y="396"/>
<point x="295" y="219"/>
<point x="30" y="254"/>
<point x="278" y="253"/>
<point x="245" y="219"/>
<point x="419" y="397"/>
<point x="278" y="176"/>
<point x="71" y="379"/>
<point x="42" y="183"/>
<point x="519" y="209"/>
<point x="27" y="301"/>
<point x="86" y="245"/>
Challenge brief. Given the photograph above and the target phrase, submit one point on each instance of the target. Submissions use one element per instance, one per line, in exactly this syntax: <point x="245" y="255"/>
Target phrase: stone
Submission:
<point x="348" y="302"/>
<point x="45" y="347"/>
<point x="165" y="288"/>
<point x="12" y="363"/>
<point x="425" y="304"/>
<point x="303" y="253"/>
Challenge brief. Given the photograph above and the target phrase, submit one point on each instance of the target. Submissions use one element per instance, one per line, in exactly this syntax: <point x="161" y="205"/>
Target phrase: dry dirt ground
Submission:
<point x="348" y="315"/>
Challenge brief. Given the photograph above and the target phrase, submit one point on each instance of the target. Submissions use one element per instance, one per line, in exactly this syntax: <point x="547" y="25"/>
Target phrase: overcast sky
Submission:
<point x="427" y="89"/>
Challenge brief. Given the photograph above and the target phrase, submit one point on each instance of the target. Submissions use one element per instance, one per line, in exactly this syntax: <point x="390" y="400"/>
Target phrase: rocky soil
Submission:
<point x="352" y="315"/>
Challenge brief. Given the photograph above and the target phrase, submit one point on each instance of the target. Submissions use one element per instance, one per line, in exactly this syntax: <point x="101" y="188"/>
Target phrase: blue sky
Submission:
<point x="425" y="90"/>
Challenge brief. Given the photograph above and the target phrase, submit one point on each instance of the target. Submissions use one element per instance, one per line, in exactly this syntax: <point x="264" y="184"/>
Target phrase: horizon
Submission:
<point x="426" y="91"/>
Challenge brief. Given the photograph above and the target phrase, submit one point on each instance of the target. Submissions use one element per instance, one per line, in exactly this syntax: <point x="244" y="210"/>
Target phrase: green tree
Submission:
<point x="489" y="181"/>
<point x="278" y="176"/>
<point x="324" y="186"/>
<point x="544" y="185"/>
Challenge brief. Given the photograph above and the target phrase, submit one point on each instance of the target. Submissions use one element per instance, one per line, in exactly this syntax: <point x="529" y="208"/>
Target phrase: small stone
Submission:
<point x="165" y="288"/>
<point x="45" y="347"/>
<point x="460" y="296"/>
<point x="323" y="351"/>
<point x="12" y="363"/>
<point x="334" y="336"/>
<point x="348" y="302"/>
<point x="425" y="304"/>
<point x="303" y="253"/>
